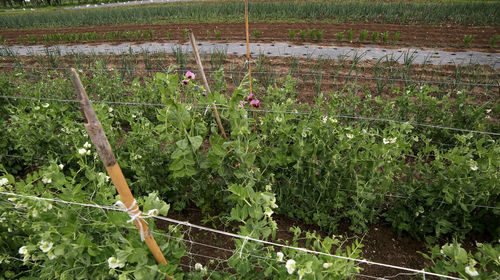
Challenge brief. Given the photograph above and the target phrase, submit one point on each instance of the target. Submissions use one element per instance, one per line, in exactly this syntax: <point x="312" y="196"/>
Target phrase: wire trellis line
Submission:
<point x="247" y="238"/>
<point x="300" y="74"/>
<point x="263" y="111"/>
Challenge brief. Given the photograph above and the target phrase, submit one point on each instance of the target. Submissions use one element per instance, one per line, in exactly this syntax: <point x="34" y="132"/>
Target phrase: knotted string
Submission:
<point x="136" y="215"/>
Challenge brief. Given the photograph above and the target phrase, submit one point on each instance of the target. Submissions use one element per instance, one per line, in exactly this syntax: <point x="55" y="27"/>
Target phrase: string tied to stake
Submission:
<point x="136" y="215"/>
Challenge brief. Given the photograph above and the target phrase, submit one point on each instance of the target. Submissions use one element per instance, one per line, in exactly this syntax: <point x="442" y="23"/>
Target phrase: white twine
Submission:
<point x="136" y="215"/>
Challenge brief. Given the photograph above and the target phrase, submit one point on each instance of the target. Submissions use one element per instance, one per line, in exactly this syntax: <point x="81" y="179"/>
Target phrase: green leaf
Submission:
<point x="196" y="142"/>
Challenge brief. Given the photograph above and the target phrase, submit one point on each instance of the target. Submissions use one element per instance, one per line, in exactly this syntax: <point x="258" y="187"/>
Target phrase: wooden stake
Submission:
<point x="248" y="47"/>
<point x="204" y="78"/>
<point x="96" y="133"/>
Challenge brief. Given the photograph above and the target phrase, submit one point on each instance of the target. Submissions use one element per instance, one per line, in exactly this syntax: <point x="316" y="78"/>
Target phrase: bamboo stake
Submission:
<point x="248" y="47"/>
<point x="204" y="79"/>
<point x="96" y="133"/>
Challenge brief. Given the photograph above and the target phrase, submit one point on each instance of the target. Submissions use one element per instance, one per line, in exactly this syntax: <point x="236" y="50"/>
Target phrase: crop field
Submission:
<point x="275" y="167"/>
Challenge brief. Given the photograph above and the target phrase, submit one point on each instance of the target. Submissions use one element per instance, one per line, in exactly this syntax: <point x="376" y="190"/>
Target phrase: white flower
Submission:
<point x="114" y="263"/>
<point x="137" y="157"/>
<point x="46" y="180"/>
<point x="471" y="271"/>
<point x="459" y="92"/>
<point x="189" y="108"/>
<point x="198" y="266"/>
<point x="473" y="165"/>
<point x="327" y="265"/>
<point x="23" y="250"/>
<point x="280" y="256"/>
<point x="87" y="145"/>
<point x="350" y="136"/>
<point x="110" y="109"/>
<point x="324" y="119"/>
<point x="273" y="203"/>
<point x="4" y="181"/>
<point x="37" y="108"/>
<point x="389" y="140"/>
<point x="45" y="105"/>
<point x="268" y="212"/>
<point x="304" y="134"/>
<point x="34" y="213"/>
<point x="488" y="111"/>
<point x="82" y="151"/>
<point x="278" y="119"/>
<point x="332" y="120"/>
<point x="290" y="266"/>
<point x="61" y="166"/>
<point x="46" y="246"/>
<point x="52" y="256"/>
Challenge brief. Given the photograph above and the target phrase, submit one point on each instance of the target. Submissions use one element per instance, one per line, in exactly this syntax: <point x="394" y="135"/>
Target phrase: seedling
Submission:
<point x="312" y="34"/>
<point x="291" y="34"/>
<point x="319" y="35"/>
<point x="385" y="37"/>
<point x="208" y="33"/>
<point x="302" y="35"/>
<point x="375" y="36"/>
<point x="185" y="34"/>
<point x="350" y="34"/>
<point x="169" y="35"/>
<point x="468" y="40"/>
<point x="494" y="41"/>
<point x="339" y="36"/>
<point x="256" y="34"/>
<point x="217" y="34"/>
<point x="363" y="35"/>
<point x="396" y="37"/>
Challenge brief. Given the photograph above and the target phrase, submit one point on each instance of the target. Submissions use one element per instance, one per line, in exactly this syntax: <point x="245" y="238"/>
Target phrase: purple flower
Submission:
<point x="242" y="103"/>
<point x="255" y="103"/>
<point x="185" y="81"/>
<point x="250" y="97"/>
<point x="190" y="75"/>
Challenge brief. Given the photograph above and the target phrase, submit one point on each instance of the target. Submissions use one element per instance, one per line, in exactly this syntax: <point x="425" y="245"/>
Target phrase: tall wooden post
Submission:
<point x="96" y="133"/>
<point x="248" y="47"/>
<point x="204" y="79"/>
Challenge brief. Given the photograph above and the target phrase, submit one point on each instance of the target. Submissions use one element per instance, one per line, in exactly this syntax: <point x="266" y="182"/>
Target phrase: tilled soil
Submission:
<point x="447" y="37"/>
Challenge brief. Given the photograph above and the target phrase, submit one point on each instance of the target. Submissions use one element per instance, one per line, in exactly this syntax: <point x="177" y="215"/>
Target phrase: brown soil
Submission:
<point x="447" y="37"/>
<point x="380" y="244"/>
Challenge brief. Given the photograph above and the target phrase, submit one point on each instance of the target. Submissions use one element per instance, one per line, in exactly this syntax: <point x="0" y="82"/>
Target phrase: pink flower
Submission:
<point x="190" y="75"/>
<point x="242" y="103"/>
<point x="250" y="97"/>
<point x="255" y="103"/>
<point x="185" y="81"/>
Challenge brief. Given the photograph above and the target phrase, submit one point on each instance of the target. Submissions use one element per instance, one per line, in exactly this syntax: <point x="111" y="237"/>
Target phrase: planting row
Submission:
<point x="311" y="35"/>
<point x="475" y="13"/>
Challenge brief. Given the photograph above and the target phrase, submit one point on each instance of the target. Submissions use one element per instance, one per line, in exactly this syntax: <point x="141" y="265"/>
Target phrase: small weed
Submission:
<point x="291" y="34"/>
<point x="375" y="36"/>
<point x="169" y="35"/>
<point x="208" y="34"/>
<point x="185" y="34"/>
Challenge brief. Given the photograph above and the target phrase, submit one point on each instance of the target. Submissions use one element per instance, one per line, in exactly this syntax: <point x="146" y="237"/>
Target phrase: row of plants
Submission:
<point x="467" y="13"/>
<point x="469" y="38"/>
<point x="87" y="37"/>
<point x="312" y="165"/>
